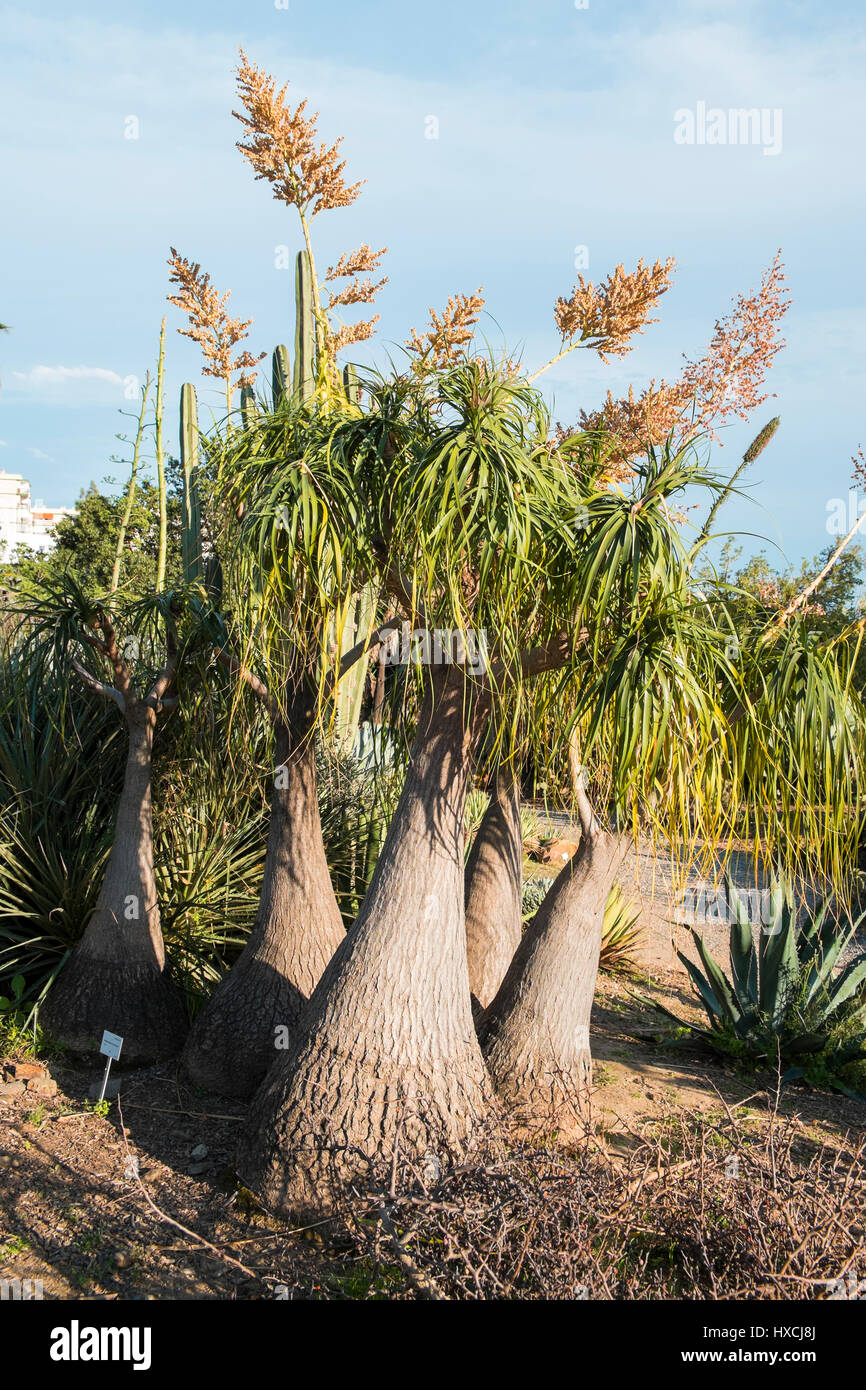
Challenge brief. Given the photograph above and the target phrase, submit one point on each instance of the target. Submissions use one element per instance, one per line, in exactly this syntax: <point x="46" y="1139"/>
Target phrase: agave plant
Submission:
<point x="783" y="999"/>
<point x="535" y="890"/>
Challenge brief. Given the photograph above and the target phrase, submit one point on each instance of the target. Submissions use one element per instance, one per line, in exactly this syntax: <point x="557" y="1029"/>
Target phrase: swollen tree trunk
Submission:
<point x="494" y="891"/>
<point x="535" y="1034"/>
<point x="387" y="1059"/>
<point x="115" y="977"/>
<point x="254" y="1010"/>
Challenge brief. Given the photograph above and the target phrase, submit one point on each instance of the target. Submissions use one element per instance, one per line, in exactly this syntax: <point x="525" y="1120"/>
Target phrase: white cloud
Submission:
<point x="60" y="376"/>
<point x="38" y="454"/>
<point x="67" y="386"/>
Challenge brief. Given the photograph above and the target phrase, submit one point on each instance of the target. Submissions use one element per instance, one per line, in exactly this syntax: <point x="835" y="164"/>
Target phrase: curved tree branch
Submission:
<point x="98" y="687"/>
<point x="589" y="822"/>
<point x="256" y="685"/>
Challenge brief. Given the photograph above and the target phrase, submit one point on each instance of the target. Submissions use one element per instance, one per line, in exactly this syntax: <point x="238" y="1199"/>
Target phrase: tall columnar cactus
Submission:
<point x="359" y="621"/>
<point x="190" y="536"/>
<point x="351" y="385"/>
<point x="350" y="692"/>
<point x="305" y="329"/>
<point x="249" y="406"/>
<point x="281" y="374"/>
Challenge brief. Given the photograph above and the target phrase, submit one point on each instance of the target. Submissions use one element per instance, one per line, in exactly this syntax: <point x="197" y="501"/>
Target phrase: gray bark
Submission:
<point x="115" y="977"/>
<point x="535" y="1034"/>
<point x="387" y="1055"/>
<point x="494" y="892"/>
<point x="255" y="1008"/>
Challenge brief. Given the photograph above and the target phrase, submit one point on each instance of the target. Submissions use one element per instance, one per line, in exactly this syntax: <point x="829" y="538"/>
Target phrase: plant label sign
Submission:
<point x="111" y="1045"/>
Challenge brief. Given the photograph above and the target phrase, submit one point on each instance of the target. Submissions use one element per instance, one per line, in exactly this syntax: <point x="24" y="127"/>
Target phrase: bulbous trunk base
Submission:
<point x="386" y="1061"/>
<point x="114" y="978"/>
<point x="535" y="1035"/>
<point x="254" y="1010"/>
<point x="298" y="1153"/>
<point x="234" y="1040"/>
<point x="136" y="1001"/>
<point x="494" y="893"/>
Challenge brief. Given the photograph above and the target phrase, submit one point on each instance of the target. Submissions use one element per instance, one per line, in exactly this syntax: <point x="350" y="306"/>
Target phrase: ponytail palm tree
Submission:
<point x="689" y="731"/>
<point x="127" y="653"/>
<point x="641" y="705"/>
<point x="648" y="740"/>
<point x="483" y="532"/>
<point x="291" y="563"/>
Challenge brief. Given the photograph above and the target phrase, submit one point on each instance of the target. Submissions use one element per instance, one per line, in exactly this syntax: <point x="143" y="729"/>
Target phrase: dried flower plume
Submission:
<point x="209" y="323"/>
<point x="446" y="339"/>
<point x="607" y="316"/>
<point x="727" y="380"/>
<point x="350" y="267"/>
<point x="281" y="145"/>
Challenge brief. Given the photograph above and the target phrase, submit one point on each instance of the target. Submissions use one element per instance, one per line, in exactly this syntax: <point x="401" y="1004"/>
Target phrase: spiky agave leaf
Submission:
<point x="778" y="963"/>
<point x="744" y="958"/>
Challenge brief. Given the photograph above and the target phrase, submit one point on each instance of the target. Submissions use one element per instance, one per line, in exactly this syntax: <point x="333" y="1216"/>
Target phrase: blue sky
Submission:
<point x="555" y="131"/>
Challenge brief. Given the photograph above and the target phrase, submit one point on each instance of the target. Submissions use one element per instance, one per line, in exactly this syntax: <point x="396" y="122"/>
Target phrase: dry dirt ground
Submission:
<point x="143" y="1202"/>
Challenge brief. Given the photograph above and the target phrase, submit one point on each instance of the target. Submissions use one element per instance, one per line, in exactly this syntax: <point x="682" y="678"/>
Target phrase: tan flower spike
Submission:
<point x="726" y="380"/>
<point x="210" y="325"/>
<point x="353" y="333"/>
<point x="446" y="339"/>
<point x="607" y="316"/>
<point x="281" y="146"/>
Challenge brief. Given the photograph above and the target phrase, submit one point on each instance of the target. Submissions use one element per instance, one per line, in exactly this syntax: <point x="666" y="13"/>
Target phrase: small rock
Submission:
<point x="112" y="1090"/>
<point x="10" y="1089"/>
<point x="199" y="1152"/>
<point x="196" y="1169"/>
<point x="27" y="1071"/>
<point x="431" y="1169"/>
<point x="558" y="852"/>
<point x="121" y="1259"/>
<point x="42" y="1086"/>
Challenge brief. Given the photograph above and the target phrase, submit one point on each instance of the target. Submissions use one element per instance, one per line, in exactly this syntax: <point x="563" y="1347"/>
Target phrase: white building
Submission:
<point x="22" y="521"/>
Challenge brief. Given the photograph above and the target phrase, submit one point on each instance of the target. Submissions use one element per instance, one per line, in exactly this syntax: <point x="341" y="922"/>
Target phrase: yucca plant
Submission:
<point x="356" y="806"/>
<point x="620" y="932"/>
<point x="476" y="805"/>
<point x="208" y="872"/>
<point x="61" y="766"/>
<point x="782" y="1000"/>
